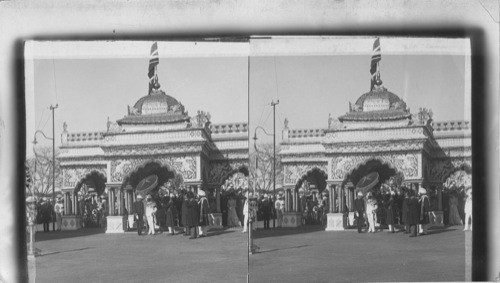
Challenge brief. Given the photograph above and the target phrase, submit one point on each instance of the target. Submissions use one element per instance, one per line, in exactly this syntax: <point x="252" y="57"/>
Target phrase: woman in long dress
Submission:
<point x="389" y="208"/>
<point x="185" y="215"/>
<point x="232" y="216"/>
<point x="371" y="212"/>
<point x="453" y="216"/>
<point x="171" y="212"/>
<point x="193" y="218"/>
<point x="150" y="212"/>
<point x="468" y="210"/>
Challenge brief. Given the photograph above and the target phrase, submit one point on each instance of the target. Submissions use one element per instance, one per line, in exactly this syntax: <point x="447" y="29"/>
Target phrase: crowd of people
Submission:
<point x="46" y="212"/>
<point x="185" y="211"/>
<point x="410" y="211"/>
<point x="189" y="214"/>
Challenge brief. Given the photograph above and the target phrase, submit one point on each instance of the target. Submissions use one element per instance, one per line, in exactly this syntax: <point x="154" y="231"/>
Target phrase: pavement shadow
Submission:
<point x="288" y="248"/>
<point x="60" y="252"/>
<point x="55" y="235"/>
<point x="220" y="232"/>
<point x="439" y="231"/>
<point x="278" y="232"/>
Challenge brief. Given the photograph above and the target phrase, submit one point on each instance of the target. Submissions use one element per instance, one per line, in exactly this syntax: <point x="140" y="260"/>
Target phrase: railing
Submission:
<point x="306" y="133"/>
<point x="451" y="125"/>
<point x="229" y="128"/>
<point x="83" y="137"/>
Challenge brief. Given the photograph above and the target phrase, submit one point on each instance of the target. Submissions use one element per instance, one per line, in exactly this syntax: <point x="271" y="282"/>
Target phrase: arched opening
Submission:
<point x="312" y="194"/>
<point x="166" y="182"/>
<point x="232" y="196"/>
<point x="163" y="172"/>
<point x="389" y="179"/>
<point x="90" y="190"/>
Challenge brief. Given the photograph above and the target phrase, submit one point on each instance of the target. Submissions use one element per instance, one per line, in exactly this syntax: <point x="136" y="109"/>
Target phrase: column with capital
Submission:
<point x="115" y="221"/>
<point x="217" y="199"/>
<point x="342" y="199"/>
<point x="74" y="208"/>
<point x="334" y="196"/>
<point x="286" y="200"/>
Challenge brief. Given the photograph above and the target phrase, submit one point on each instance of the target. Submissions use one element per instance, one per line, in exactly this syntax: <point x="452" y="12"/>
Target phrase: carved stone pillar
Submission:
<point x="286" y="200"/>
<point x="217" y="199"/>
<point x="67" y="204"/>
<point x="112" y="202"/>
<point x="119" y="201"/>
<point x="74" y="204"/>
<point x="330" y="195"/>
<point x="440" y="198"/>
<point x="351" y="199"/>
<point x="294" y="197"/>
<point x="342" y="199"/>
<point x="334" y="199"/>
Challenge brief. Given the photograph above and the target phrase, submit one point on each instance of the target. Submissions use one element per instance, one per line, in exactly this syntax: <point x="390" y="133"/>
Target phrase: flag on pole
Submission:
<point x="153" y="60"/>
<point x="376" y="57"/>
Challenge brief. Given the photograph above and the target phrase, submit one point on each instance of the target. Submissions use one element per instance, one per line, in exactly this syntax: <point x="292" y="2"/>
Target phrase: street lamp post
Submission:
<point x="52" y="108"/>
<point x="273" y="104"/>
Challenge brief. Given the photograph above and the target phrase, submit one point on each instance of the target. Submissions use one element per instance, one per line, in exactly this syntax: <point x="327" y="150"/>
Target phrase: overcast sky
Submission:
<point x="325" y="74"/>
<point x="312" y="77"/>
<point x="91" y="81"/>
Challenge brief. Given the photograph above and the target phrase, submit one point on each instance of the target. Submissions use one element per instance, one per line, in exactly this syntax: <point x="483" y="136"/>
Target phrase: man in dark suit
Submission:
<point x="139" y="214"/>
<point x="266" y="211"/>
<point x="359" y="207"/>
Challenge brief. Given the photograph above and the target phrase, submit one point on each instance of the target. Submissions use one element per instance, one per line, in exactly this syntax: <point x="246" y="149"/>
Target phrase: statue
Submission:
<point x="424" y="116"/>
<point x="65" y="126"/>
<point x="202" y="119"/>
<point x="356" y="108"/>
<point x="132" y="111"/>
<point x="286" y="123"/>
<point x="330" y="119"/>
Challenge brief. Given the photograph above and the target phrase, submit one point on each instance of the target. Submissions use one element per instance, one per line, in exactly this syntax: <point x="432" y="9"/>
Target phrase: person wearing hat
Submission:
<point x="193" y="216"/>
<point x="389" y="209"/>
<point x="185" y="214"/>
<point x="413" y="213"/>
<point x="46" y="214"/>
<point x="468" y="209"/>
<point x="203" y="208"/>
<point x="138" y="210"/>
<point x="371" y="212"/>
<point x="246" y="212"/>
<point x="424" y="205"/>
<point x="58" y="209"/>
<point x="359" y="211"/>
<point x="150" y="211"/>
<point x="266" y="211"/>
<point x="171" y="212"/>
<point x="232" y="215"/>
<point x="280" y="208"/>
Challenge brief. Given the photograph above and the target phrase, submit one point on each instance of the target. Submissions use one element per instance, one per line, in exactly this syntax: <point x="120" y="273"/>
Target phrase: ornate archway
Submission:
<point x="152" y="167"/>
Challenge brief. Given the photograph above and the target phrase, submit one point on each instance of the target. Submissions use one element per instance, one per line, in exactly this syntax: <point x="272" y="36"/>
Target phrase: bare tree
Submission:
<point x="39" y="168"/>
<point x="261" y="167"/>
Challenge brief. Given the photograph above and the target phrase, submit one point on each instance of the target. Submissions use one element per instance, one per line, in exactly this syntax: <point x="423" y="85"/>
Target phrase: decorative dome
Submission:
<point x="155" y="103"/>
<point x="378" y="104"/>
<point x="155" y="108"/>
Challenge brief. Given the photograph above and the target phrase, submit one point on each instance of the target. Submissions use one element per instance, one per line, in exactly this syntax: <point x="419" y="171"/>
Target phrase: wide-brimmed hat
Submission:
<point x="201" y="193"/>
<point x="360" y="194"/>
<point x="422" y="191"/>
<point x="139" y="196"/>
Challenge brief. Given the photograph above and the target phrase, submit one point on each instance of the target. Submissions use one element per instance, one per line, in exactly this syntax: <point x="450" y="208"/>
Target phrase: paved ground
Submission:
<point x="309" y="255"/>
<point x="286" y="255"/>
<point x="92" y="256"/>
